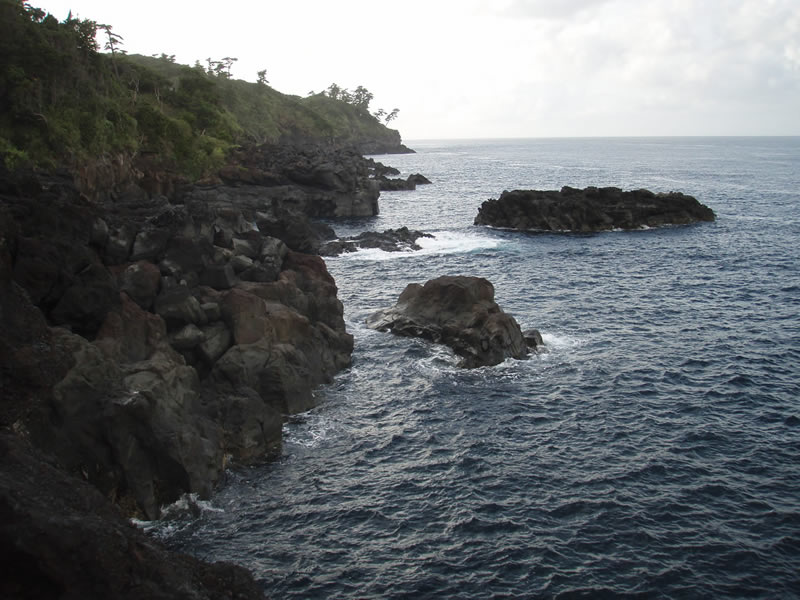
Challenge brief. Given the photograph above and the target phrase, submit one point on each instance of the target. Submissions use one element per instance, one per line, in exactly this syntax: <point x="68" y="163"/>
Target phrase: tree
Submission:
<point x="334" y="91"/>
<point x="113" y="44"/>
<point x="392" y="115"/>
<point x="262" y="77"/>
<point x="221" y="68"/>
<point x="362" y="97"/>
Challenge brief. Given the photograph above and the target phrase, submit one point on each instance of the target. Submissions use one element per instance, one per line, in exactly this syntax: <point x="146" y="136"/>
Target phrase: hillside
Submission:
<point x="63" y="102"/>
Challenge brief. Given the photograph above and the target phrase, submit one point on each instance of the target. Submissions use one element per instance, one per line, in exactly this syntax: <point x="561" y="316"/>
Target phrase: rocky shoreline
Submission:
<point x="151" y="336"/>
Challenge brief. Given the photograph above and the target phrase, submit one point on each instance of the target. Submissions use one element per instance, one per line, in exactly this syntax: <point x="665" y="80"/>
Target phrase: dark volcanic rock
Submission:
<point x="137" y="404"/>
<point x="418" y="179"/>
<point x="292" y="228"/>
<point x="101" y="309"/>
<point x="316" y="180"/>
<point x="533" y="338"/>
<point x="60" y="538"/>
<point x="390" y="240"/>
<point x="400" y="185"/>
<point x="590" y="209"/>
<point x="459" y="312"/>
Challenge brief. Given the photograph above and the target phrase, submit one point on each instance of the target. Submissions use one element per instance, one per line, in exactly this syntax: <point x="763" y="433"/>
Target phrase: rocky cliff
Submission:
<point x="155" y="332"/>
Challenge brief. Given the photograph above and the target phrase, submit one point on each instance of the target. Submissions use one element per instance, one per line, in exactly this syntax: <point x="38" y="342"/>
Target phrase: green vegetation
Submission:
<point x="64" y="102"/>
<point x="359" y="98"/>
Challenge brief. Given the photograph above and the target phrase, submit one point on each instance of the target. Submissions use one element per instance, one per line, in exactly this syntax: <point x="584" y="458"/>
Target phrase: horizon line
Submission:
<point x="588" y="137"/>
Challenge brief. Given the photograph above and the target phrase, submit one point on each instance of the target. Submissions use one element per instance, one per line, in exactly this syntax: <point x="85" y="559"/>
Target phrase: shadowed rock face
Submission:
<point x="142" y="367"/>
<point x="591" y="209"/>
<point x="144" y="341"/>
<point x="60" y="538"/>
<point x="317" y="181"/>
<point x="459" y="312"/>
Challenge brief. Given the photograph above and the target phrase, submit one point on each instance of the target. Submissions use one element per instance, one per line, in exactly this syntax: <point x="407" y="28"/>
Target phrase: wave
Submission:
<point x="555" y="341"/>
<point x="442" y="242"/>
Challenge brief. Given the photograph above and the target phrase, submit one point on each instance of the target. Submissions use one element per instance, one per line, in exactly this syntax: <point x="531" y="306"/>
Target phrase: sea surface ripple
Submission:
<point x="653" y="451"/>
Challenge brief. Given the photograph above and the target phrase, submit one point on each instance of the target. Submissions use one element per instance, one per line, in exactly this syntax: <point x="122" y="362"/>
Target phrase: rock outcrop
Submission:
<point x="397" y="184"/>
<point x="459" y="312"/>
<point x="390" y="240"/>
<point x="60" y="538"/>
<point x="317" y="181"/>
<point x="591" y="209"/>
<point x="147" y="341"/>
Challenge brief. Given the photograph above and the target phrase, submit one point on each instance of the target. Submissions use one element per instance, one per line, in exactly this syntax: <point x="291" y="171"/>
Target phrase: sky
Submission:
<point x="500" y="68"/>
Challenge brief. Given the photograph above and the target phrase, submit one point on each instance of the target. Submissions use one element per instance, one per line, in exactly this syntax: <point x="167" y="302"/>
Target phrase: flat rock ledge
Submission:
<point x="390" y="240"/>
<point x="589" y="210"/>
<point x="459" y="312"/>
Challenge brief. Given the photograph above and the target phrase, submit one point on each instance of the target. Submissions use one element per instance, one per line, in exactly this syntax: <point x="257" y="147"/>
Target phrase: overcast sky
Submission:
<point x="501" y="68"/>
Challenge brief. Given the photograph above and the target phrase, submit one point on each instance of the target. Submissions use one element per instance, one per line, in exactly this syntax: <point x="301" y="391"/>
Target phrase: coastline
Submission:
<point x="150" y="339"/>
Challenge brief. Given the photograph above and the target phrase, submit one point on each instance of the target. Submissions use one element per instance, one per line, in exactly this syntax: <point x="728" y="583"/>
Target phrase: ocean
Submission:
<point x="653" y="451"/>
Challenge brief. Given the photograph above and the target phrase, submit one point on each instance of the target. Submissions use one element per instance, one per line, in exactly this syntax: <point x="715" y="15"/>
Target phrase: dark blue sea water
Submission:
<point x="654" y="451"/>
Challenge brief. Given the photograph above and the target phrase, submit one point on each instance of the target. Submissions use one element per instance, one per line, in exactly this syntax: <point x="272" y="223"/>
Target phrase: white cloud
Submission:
<point x="489" y="68"/>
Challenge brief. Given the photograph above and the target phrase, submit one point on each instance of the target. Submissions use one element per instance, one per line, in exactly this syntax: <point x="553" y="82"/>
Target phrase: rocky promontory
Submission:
<point x="590" y="209"/>
<point x="148" y="340"/>
<point x="459" y="312"/>
<point x="319" y="181"/>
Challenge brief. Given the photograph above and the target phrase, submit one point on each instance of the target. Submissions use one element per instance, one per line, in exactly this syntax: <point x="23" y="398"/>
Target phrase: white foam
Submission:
<point x="451" y="242"/>
<point x="443" y="242"/>
<point x="561" y="342"/>
<point x="310" y="433"/>
<point x="187" y="506"/>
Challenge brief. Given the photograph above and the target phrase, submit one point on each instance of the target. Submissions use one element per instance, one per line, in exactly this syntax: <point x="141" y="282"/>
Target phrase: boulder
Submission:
<point x="141" y="281"/>
<point x="591" y="209"/>
<point x="291" y="227"/>
<point x="85" y="303"/>
<point x="150" y="244"/>
<point x="418" y="179"/>
<point x="187" y="338"/>
<point x="217" y="339"/>
<point x="119" y="244"/>
<point x="533" y="338"/>
<point x="136" y="430"/>
<point x="219" y="277"/>
<point x="459" y="312"/>
<point x="178" y="307"/>
<point x="249" y="247"/>
<point x="37" y="269"/>
<point x="278" y="373"/>
<point x="241" y="263"/>
<point x="131" y="334"/>
<point x="259" y="273"/>
<point x="251" y="427"/>
<point x="212" y="310"/>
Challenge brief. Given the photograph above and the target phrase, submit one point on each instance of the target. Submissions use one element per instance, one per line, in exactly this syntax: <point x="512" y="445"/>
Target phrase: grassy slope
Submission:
<point x="63" y="102"/>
